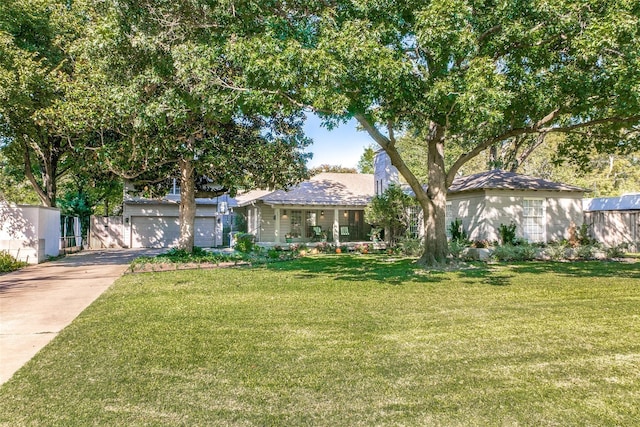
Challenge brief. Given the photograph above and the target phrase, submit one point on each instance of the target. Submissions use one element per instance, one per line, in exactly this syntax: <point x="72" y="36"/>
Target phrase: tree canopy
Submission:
<point x="36" y="66"/>
<point x="466" y="75"/>
<point x="164" y="72"/>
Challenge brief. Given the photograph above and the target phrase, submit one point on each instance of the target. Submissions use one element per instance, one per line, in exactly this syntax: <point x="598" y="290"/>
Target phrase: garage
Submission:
<point x="164" y="232"/>
<point x="154" y="232"/>
<point x="205" y="232"/>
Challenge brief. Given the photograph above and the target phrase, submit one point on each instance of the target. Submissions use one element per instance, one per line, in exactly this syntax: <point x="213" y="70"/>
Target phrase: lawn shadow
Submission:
<point x="391" y="270"/>
<point x="585" y="269"/>
<point x="356" y="268"/>
<point x="484" y="274"/>
<point x="398" y="271"/>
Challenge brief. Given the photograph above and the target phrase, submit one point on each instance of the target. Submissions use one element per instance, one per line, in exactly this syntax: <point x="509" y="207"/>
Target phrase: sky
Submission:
<point x="341" y="146"/>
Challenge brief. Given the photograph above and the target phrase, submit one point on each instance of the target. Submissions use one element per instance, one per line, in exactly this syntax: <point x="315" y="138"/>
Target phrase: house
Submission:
<point x="154" y="223"/>
<point x="614" y="221"/>
<point x="542" y="210"/>
<point x="329" y="206"/>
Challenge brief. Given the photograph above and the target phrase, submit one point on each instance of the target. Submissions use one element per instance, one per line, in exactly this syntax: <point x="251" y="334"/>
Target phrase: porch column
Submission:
<point x="277" y="225"/>
<point x="336" y="226"/>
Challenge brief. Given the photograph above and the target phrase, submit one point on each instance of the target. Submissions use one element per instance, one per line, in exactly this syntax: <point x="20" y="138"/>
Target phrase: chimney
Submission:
<point x="384" y="172"/>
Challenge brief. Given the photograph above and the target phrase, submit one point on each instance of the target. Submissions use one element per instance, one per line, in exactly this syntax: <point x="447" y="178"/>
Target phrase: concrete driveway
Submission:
<point x="37" y="302"/>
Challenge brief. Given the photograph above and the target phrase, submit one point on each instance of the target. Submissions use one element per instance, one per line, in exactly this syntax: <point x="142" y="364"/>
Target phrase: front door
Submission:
<point x="358" y="230"/>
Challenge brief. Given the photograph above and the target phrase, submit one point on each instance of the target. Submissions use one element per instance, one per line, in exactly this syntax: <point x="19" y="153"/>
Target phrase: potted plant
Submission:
<point x="288" y="238"/>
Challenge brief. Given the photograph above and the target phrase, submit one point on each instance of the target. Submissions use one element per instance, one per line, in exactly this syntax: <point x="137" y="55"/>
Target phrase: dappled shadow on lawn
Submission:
<point x="484" y="275"/>
<point x="398" y="271"/>
<point x="582" y="269"/>
<point x="354" y="268"/>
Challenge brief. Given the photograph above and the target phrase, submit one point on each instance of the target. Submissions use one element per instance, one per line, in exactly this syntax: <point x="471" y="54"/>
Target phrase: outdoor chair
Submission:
<point x="344" y="233"/>
<point x="316" y="233"/>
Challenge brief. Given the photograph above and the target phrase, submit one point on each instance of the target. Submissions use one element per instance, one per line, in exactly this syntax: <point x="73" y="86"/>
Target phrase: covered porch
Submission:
<point x="299" y="224"/>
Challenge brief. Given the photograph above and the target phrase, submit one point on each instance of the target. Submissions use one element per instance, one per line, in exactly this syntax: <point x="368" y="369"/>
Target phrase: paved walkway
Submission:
<point x="37" y="302"/>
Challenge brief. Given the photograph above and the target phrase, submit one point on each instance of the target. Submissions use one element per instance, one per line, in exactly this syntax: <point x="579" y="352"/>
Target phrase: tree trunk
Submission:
<point x="187" y="205"/>
<point x="436" y="247"/>
<point x="433" y="201"/>
<point x="45" y="196"/>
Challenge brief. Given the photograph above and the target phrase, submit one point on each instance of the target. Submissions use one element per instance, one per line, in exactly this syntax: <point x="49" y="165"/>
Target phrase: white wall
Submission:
<point x="483" y="212"/>
<point x="30" y="233"/>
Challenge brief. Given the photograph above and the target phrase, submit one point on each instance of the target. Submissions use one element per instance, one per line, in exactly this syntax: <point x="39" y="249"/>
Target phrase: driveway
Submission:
<point x="37" y="302"/>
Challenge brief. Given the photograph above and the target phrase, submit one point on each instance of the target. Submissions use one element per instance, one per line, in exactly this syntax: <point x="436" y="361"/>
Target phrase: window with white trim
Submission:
<point x="533" y="224"/>
<point x="414" y="221"/>
<point x="296" y="224"/>
<point x="448" y="219"/>
<point x="175" y="188"/>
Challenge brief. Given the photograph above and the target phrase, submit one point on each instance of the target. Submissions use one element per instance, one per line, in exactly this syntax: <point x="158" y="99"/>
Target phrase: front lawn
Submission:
<point x="345" y="340"/>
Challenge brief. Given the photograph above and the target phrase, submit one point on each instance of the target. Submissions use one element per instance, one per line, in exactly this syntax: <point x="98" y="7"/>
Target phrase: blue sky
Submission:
<point x="341" y="146"/>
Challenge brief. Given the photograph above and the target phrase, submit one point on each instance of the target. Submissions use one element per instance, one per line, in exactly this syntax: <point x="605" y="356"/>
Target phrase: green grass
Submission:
<point x="346" y="341"/>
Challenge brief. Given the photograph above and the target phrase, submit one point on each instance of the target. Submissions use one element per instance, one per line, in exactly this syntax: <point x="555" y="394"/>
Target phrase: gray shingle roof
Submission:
<point x="628" y="202"/>
<point x="502" y="180"/>
<point x="325" y="189"/>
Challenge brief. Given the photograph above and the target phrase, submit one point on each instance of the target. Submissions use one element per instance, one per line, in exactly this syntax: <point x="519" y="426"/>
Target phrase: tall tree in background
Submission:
<point x="466" y="74"/>
<point x="365" y="164"/>
<point x="35" y="67"/>
<point x="166" y="70"/>
<point x="331" y="168"/>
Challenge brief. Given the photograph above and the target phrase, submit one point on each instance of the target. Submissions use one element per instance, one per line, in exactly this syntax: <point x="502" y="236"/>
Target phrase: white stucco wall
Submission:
<point x="482" y="213"/>
<point x="30" y="233"/>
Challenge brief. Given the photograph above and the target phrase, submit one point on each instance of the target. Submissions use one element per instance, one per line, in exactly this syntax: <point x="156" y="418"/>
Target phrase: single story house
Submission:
<point x="614" y="220"/>
<point x="329" y="206"/>
<point x="543" y="211"/>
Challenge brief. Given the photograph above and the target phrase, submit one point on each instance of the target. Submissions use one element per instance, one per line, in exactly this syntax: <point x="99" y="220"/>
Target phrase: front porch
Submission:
<point x="333" y="225"/>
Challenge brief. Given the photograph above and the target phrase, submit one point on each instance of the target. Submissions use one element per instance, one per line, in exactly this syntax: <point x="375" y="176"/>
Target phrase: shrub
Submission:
<point x="326" y="248"/>
<point x="584" y="235"/>
<point x="363" y="249"/>
<point x="410" y="246"/>
<point x="273" y="253"/>
<point x="456" y="248"/>
<point x="617" y="251"/>
<point x="510" y="252"/>
<point x="9" y="263"/>
<point x="244" y="242"/>
<point x="586" y="251"/>
<point x="507" y="233"/>
<point x="458" y="234"/>
<point x="557" y="250"/>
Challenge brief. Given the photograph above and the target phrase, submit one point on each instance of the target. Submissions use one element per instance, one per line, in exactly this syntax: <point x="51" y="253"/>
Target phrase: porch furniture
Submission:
<point x="316" y="233"/>
<point x="344" y="233"/>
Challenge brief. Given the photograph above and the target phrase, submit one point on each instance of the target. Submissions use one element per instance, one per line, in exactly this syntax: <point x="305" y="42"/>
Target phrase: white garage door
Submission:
<point x="164" y="232"/>
<point x="154" y="231"/>
<point x="205" y="232"/>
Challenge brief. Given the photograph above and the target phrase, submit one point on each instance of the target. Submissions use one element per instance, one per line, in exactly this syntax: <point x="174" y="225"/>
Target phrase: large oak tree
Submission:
<point x="464" y="75"/>
<point x="36" y="68"/>
<point x="165" y="70"/>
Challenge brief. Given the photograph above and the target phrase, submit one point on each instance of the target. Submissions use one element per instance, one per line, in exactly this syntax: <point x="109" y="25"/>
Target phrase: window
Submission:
<point x="414" y="221"/>
<point x="296" y="224"/>
<point x="448" y="219"/>
<point x="311" y="220"/>
<point x="175" y="188"/>
<point x="533" y="224"/>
